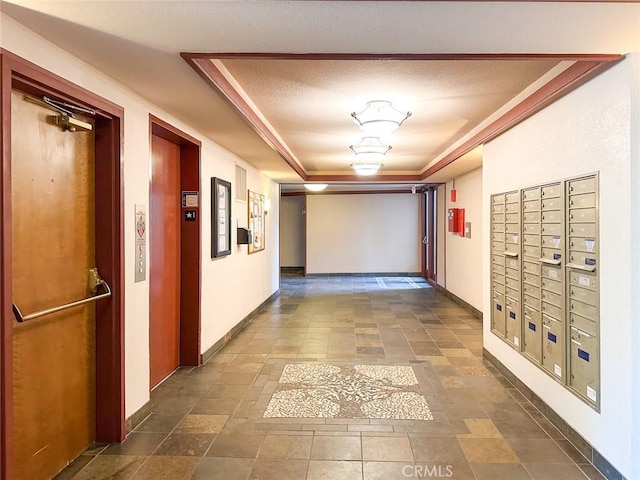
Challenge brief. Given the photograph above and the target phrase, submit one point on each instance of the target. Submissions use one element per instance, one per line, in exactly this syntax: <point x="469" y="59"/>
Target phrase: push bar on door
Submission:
<point x="94" y="283"/>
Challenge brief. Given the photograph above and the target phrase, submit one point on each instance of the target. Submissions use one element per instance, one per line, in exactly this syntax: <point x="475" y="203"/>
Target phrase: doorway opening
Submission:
<point x="429" y="209"/>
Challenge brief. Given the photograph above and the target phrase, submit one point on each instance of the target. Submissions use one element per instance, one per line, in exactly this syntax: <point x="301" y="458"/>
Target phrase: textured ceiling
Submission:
<point x="138" y="43"/>
<point x="309" y="102"/>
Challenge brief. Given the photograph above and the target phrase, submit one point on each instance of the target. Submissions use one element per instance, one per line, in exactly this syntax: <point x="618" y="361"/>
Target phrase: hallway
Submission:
<point x="405" y="394"/>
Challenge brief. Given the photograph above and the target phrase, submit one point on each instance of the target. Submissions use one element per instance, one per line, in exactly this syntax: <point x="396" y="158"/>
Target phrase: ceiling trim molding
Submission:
<point x="214" y="77"/>
<point x="567" y="81"/>
<point x="350" y="192"/>
<point x="586" y="66"/>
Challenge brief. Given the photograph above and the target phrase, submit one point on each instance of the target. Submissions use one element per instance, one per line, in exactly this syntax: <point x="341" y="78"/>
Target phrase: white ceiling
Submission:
<point x="308" y="102"/>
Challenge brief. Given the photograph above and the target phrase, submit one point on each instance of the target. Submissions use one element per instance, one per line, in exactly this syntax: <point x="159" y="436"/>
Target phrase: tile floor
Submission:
<point x="208" y="423"/>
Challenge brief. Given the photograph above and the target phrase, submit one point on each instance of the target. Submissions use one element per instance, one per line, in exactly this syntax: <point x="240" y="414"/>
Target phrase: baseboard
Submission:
<point x="134" y="420"/>
<point x="211" y="351"/>
<point x="366" y="274"/>
<point x="578" y="441"/>
<point x="477" y="313"/>
<point x="291" y="270"/>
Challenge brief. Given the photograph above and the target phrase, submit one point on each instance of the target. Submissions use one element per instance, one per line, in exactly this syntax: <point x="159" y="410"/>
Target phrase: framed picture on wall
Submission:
<point x="256" y="221"/>
<point x="220" y="217"/>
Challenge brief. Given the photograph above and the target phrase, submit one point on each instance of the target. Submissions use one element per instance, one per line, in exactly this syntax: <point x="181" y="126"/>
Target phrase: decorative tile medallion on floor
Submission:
<point x="348" y="391"/>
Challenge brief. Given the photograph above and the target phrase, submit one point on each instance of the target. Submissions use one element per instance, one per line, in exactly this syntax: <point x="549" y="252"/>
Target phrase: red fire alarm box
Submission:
<point x="456" y="221"/>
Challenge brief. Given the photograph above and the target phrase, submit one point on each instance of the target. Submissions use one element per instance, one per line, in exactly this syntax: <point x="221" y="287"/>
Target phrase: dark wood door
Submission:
<point x="164" y="268"/>
<point x="53" y="248"/>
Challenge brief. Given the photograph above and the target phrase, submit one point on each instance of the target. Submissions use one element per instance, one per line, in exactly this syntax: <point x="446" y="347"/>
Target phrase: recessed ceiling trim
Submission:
<point x="212" y="75"/>
<point x="565" y="82"/>
<point x="586" y="66"/>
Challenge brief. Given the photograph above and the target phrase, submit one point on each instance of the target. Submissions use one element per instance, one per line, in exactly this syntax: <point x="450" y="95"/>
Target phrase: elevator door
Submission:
<point x="164" y="268"/>
<point x="53" y="248"/>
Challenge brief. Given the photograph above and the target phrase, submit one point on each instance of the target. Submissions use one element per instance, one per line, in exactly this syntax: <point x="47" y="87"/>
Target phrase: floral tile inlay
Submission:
<point x="358" y="391"/>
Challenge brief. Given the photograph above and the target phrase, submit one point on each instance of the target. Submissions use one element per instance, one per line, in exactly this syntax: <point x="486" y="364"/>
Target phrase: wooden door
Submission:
<point x="164" y="268"/>
<point x="53" y="248"/>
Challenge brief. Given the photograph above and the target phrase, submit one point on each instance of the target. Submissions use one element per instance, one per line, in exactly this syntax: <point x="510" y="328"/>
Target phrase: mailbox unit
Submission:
<point x="544" y="279"/>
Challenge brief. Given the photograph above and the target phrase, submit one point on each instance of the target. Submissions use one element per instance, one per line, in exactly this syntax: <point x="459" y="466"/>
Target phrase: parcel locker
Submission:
<point x="584" y="375"/>
<point x="553" y="346"/>
<point x="498" y="313"/>
<point x="512" y="322"/>
<point x="532" y="327"/>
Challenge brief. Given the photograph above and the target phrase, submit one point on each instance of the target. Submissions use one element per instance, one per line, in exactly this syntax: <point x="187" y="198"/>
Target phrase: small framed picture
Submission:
<point x="220" y="217"/>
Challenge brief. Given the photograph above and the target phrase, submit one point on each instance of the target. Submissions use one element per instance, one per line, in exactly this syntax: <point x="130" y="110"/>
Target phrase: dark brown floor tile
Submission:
<point x="286" y="446"/>
<point x="334" y="469"/>
<point x="437" y="450"/>
<point x="159" y="423"/>
<point x="573" y="453"/>
<point x="591" y="472"/>
<point x="119" y="467"/>
<point x="224" y="469"/>
<point x="214" y="406"/>
<point x="387" y="449"/>
<point x="336" y="448"/>
<point x="167" y="468"/>
<point x="74" y="467"/>
<point x="236" y="445"/>
<point x="377" y="351"/>
<point x="280" y="469"/>
<point x="136" y="443"/>
<point x="174" y="405"/>
<point x="499" y="471"/>
<point x="185" y="444"/>
<point x="558" y="471"/>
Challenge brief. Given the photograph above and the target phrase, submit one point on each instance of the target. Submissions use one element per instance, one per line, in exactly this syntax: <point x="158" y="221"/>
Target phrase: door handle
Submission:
<point x="95" y="282"/>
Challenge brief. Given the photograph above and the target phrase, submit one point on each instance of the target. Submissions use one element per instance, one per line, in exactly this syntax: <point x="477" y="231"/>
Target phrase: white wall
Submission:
<point x="292" y="231"/>
<point x="588" y="130"/>
<point x="231" y="286"/>
<point x="363" y="233"/>
<point x="464" y="255"/>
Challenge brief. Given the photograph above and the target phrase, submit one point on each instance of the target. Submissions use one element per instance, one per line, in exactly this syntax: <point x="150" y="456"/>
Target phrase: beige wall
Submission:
<point x="292" y="231"/>
<point x="594" y="128"/>
<point x="464" y="255"/>
<point x="232" y="286"/>
<point x="363" y="233"/>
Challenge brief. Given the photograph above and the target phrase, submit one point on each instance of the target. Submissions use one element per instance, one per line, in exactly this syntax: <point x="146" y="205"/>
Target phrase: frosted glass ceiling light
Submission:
<point x="370" y="148"/>
<point x="380" y="117"/>
<point x="366" y="168"/>
<point x="315" y="187"/>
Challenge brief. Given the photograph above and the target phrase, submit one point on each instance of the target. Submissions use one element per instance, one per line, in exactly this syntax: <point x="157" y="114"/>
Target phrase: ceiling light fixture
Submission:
<point x="380" y="117"/>
<point x="366" y="168"/>
<point x="315" y="187"/>
<point x="370" y="148"/>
